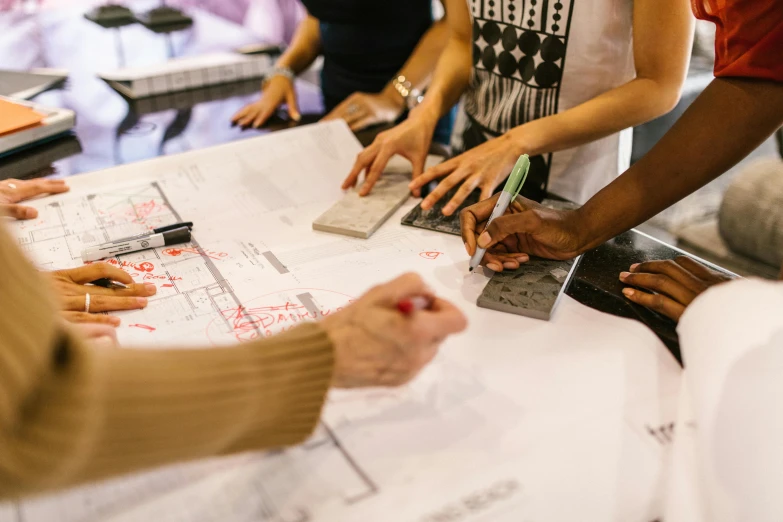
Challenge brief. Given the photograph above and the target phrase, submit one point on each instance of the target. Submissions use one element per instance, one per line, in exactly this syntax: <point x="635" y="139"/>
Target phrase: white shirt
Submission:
<point x="535" y="58"/>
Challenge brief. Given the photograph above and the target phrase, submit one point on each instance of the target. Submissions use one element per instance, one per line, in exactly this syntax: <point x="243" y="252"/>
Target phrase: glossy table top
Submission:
<point x="111" y="130"/>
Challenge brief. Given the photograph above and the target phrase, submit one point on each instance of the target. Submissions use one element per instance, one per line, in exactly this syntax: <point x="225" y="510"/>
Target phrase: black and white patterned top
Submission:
<point x="522" y="53"/>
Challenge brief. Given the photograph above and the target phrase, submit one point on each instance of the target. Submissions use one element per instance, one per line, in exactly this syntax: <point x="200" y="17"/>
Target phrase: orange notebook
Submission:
<point x="15" y="117"/>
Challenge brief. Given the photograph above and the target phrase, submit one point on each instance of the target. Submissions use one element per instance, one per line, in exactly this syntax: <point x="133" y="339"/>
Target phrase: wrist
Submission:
<point x="582" y="224"/>
<point x="523" y="140"/>
<point x="390" y="94"/>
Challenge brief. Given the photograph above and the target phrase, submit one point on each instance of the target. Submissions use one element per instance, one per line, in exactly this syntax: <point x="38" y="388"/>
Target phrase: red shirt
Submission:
<point x="748" y="38"/>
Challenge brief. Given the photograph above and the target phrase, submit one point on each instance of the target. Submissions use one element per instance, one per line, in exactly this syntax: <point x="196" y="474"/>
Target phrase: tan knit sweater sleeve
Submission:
<point x="70" y="413"/>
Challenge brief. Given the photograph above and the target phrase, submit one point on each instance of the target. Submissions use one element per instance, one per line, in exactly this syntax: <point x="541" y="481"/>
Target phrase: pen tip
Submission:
<point x="470" y="269"/>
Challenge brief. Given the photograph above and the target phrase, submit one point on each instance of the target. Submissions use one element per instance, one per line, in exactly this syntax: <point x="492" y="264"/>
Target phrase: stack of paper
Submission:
<point x="187" y="73"/>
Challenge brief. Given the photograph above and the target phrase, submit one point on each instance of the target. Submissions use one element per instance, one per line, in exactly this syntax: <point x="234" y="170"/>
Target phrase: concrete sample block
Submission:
<point x="532" y="290"/>
<point x="361" y="217"/>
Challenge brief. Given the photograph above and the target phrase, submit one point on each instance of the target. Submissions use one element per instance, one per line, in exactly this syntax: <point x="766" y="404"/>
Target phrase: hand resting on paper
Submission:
<point x="72" y="286"/>
<point x="668" y="287"/>
<point x="12" y="191"/>
<point x="376" y="345"/>
<point x="361" y="110"/>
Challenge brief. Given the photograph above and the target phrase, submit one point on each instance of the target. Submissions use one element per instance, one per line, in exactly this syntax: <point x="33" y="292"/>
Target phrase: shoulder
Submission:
<point x="748" y="38"/>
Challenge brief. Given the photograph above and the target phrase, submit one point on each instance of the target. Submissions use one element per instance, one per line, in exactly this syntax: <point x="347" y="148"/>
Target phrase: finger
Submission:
<point x="359" y="124"/>
<point x="461" y="195"/>
<point x="89" y="273"/>
<point x="527" y="222"/>
<point x="697" y="269"/>
<point x="470" y="218"/>
<point x="499" y="261"/>
<point x="443" y="187"/>
<point x="486" y="191"/>
<point x="433" y="173"/>
<point x="19" y="211"/>
<point x="661" y="284"/>
<point x="418" y="162"/>
<point x="672" y="270"/>
<point x="293" y="106"/>
<point x="656" y="302"/>
<point x="248" y="118"/>
<point x="375" y="170"/>
<point x="104" y="303"/>
<point x="28" y="189"/>
<point x="84" y="317"/>
<point x="240" y="114"/>
<point x="404" y="287"/>
<point x="132" y="290"/>
<point x="263" y="115"/>
<point x="363" y="160"/>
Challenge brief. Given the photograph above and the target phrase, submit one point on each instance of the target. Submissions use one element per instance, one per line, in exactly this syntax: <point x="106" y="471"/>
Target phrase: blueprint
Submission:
<point x="511" y="418"/>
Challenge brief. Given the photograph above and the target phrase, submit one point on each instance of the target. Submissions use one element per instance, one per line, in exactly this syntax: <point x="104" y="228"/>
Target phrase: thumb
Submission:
<point x="527" y="222"/>
<point x="293" y="108"/>
<point x="19" y="211"/>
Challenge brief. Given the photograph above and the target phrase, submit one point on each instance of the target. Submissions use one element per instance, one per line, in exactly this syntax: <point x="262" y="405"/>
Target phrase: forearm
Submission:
<point x="722" y="126"/>
<point x="661" y="63"/>
<point x="71" y="413"/>
<point x="420" y="65"/>
<point x="305" y="46"/>
<point x="631" y="104"/>
<point x="452" y="72"/>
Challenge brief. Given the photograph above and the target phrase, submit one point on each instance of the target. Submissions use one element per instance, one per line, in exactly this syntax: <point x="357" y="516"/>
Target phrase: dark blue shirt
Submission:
<point x="366" y="42"/>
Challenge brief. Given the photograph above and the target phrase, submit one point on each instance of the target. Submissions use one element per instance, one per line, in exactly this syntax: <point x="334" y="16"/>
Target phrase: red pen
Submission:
<point x="414" y="304"/>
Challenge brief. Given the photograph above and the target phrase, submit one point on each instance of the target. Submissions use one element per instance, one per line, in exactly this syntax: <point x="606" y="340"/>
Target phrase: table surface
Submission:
<point x="111" y="130"/>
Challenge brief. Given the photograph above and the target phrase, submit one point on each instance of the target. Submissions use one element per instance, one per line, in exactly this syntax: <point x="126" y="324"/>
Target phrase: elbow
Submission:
<point x="668" y="99"/>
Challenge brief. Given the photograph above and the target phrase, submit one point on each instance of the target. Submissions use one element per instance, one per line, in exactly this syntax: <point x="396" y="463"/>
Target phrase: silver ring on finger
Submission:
<point x="352" y="109"/>
<point x="87" y="303"/>
<point x="12" y="186"/>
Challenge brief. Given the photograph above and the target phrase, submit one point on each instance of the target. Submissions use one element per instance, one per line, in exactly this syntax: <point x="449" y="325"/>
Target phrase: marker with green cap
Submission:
<point x="510" y="192"/>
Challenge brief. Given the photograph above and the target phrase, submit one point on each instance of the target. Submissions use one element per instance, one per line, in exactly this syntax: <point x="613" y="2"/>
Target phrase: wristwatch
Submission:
<point x="410" y="94"/>
<point x="278" y="71"/>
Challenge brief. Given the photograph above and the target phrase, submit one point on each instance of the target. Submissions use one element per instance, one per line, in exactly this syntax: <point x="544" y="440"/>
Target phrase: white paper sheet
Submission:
<point x="516" y="419"/>
<point x="732" y="343"/>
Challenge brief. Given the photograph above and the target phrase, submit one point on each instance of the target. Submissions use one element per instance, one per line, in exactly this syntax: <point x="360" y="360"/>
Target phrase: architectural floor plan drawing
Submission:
<point x="510" y="418"/>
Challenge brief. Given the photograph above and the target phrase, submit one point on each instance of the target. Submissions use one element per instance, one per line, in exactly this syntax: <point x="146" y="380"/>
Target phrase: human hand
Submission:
<point x="377" y="345"/>
<point x="526" y="228"/>
<point x="13" y="191"/>
<point x="72" y="289"/>
<point x="360" y="110"/>
<point x="410" y="139"/>
<point x="99" y="335"/>
<point x="674" y="284"/>
<point x="484" y="166"/>
<point x="276" y="91"/>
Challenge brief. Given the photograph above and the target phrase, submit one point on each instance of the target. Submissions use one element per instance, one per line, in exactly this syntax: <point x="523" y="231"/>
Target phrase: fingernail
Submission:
<point x="114" y="320"/>
<point x="426" y="205"/>
<point x="628" y="291"/>
<point x="297" y="116"/>
<point x="634" y="267"/>
<point x="624" y="275"/>
<point x="150" y="288"/>
<point x="523" y="259"/>
<point x="467" y="248"/>
<point x="30" y="213"/>
<point x="495" y="267"/>
<point x="141" y="301"/>
<point x="509" y="264"/>
<point x="484" y="239"/>
<point x="448" y="209"/>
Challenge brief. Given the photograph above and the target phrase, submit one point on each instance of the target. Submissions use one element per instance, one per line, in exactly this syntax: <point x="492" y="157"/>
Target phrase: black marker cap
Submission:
<point x="177" y="236"/>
